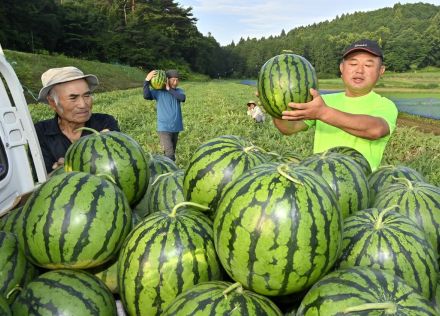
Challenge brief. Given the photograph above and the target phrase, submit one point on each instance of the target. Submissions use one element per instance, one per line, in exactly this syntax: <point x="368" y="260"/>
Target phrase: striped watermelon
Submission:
<point x="65" y="292"/>
<point x="386" y="175"/>
<point x="418" y="200"/>
<point x="215" y="164"/>
<point x="74" y="220"/>
<point x="13" y="265"/>
<point x="166" y="191"/>
<point x="167" y="253"/>
<point x="114" y="154"/>
<point x="364" y="291"/>
<point x="345" y="177"/>
<point x="157" y="165"/>
<point x="279" y="230"/>
<point x="355" y="155"/>
<point x="159" y="80"/>
<point x="4" y="307"/>
<point x="385" y="239"/>
<point x="11" y="221"/>
<point x="285" y="78"/>
<point x="221" y="298"/>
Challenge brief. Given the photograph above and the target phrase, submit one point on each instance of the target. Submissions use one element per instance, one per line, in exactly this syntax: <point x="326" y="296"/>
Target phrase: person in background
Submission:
<point x="254" y="111"/>
<point x="169" y="112"/>
<point x="358" y="117"/>
<point x="68" y="91"/>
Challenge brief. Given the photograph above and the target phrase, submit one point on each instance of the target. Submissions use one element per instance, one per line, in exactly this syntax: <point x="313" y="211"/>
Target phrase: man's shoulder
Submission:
<point x="47" y="127"/>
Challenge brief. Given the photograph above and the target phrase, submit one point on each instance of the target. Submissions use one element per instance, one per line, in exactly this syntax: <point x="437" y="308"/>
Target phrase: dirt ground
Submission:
<point x="426" y="126"/>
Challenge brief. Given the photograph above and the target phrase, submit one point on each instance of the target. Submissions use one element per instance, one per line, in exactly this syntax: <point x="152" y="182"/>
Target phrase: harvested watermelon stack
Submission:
<point x="239" y="231"/>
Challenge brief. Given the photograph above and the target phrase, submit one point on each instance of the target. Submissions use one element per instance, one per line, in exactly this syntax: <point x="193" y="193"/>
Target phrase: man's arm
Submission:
<point x="360" y="125"/>
<point x="178" y="94"/>
<point x="287" y="127"/>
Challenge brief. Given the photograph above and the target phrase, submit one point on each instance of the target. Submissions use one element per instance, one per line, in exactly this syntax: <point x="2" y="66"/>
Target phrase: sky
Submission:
<point x="229" y="20"/>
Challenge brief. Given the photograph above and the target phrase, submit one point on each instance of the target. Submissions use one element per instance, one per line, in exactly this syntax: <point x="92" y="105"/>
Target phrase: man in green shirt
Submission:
<point x="358" y="117"/>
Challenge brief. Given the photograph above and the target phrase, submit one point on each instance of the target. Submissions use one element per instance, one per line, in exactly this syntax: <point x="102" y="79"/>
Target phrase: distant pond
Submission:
<point x="424" y="107"/>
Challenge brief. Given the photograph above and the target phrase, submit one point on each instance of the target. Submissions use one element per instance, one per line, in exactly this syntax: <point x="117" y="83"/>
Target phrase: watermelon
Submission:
<point x="278" y="230"/>
<point x="157" y="165"/>
<point x="385" y="239"/>
<point x="4" y="307"/>
<point x="11" y="220"/>
<point x="386" y="175"/>
<point x="418" y="200"/>
<point x="285" y="78"/>
<point x="345" y="177"/>
<point x="220" y="298"/>
<point x="166" y="191"/>
<point x="65" y="292"/>
<point x="13" y="265"/>
<point x="74" y="220"/>
<point x="159" y="80"/>
<point x="215" y="164"/>
<point x="114" y="154"/>
<point x="364" y="291"/>
<point x="355" y="155"/>
<point x="167" y="253"/>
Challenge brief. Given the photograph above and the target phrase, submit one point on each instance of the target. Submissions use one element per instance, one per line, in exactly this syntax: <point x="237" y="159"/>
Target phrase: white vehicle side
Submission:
<point x="21" y="161"/>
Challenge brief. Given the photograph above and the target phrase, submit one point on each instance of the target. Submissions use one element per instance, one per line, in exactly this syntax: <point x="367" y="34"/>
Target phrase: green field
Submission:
<point x="218" y="108"/>
<point x="215" y="108"/>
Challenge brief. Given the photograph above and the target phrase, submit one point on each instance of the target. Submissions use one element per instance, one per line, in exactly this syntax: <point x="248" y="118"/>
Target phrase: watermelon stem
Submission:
<point x="160" y="176"/>
<point x="106" y="176"/>
<point x="379" y="222"/>
<point x="284" y="174"/>
<point x="94" y="131"/>
<point x="389" y="307"/>
<point x="16" y="288"/>
<point x="234" y="287"/>
<point x="249" y="148"/>
<point x="405" y="181"/>
<point x="177" y="206"/>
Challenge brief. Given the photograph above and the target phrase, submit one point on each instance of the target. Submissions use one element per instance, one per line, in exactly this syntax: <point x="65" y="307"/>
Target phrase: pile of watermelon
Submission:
<point x="239" y="231"/>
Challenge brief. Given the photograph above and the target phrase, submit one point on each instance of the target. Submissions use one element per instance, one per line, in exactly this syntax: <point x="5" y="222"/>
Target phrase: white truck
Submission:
<point x="21" y="161"/>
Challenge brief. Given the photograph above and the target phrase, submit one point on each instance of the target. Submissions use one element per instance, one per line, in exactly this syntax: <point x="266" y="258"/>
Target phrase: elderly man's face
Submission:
<point x="74" y="101"/>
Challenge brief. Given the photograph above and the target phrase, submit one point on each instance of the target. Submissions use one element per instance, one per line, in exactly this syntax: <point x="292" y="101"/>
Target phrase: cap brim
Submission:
<point x="360" y="49"/>
<point x="92" y="81"/>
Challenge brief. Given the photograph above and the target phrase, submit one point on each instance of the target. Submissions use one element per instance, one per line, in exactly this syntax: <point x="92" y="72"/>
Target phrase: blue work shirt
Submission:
<point x="169" y="112"/>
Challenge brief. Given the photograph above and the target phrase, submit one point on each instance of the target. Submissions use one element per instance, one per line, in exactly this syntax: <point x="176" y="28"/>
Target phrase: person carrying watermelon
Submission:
<point x="68" y="91"/>
<point x="357" y="117"/>
<point x="169" y="112"/>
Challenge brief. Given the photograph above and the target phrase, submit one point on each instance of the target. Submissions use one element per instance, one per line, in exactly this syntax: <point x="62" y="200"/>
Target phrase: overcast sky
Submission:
<point x="229" y="20"/>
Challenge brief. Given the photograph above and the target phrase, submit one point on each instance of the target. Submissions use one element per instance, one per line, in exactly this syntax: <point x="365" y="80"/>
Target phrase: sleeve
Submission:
<point x="147" y="92"/>
<point x="178" y="94"/>
<point x="389" y="113"/>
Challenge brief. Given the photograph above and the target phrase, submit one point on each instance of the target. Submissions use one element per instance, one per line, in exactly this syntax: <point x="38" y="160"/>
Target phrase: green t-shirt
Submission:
<point x="327" y="136"/>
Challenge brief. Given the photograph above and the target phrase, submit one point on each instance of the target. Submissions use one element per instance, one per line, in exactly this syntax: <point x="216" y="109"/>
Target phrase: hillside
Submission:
<point x="29" y="68"/>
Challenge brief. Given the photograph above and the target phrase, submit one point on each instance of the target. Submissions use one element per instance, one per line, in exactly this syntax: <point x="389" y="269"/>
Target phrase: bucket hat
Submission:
<point x="56" y="76"/>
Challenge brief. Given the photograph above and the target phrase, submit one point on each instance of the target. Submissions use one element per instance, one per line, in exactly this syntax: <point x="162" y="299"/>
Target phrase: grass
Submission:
<point x="218" y="108"/>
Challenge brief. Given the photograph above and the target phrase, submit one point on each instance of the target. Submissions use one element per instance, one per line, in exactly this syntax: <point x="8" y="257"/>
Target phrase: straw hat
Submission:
<point x="55" y="76"/>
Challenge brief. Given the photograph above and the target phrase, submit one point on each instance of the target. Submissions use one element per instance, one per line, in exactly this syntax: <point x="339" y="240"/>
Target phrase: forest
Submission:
<point x="162" y="34"/>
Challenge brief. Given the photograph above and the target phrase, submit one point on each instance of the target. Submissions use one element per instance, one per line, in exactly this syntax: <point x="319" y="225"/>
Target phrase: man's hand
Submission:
<point x="150" y="75"/>
<point x="59" y="163"/>
<point x="313" y="110"/>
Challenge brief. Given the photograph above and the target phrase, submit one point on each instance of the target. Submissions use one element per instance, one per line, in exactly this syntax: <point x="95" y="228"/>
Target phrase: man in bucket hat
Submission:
<point x="68" y="91"/>
<point x="169" y="112"/>
<point x="358" y="117"/>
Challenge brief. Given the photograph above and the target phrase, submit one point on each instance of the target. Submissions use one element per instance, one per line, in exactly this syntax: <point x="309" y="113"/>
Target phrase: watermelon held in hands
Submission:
<point x="112" y="154"/>
<point x="221" y="298"/>
<point x="65" y="292"/>
<point x="278" y="229"/>
<point x="285" y="78"/>
<point x="159" y="80"/>
<point x="74" y="220"/>
<point x="364" y="291"/>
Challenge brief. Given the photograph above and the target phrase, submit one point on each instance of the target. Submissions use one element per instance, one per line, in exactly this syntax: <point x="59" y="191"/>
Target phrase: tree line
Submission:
<point x="163" y="34"/>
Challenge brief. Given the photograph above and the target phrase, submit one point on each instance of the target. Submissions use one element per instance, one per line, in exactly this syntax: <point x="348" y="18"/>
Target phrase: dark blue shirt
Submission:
<point x="54" y="143"/>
